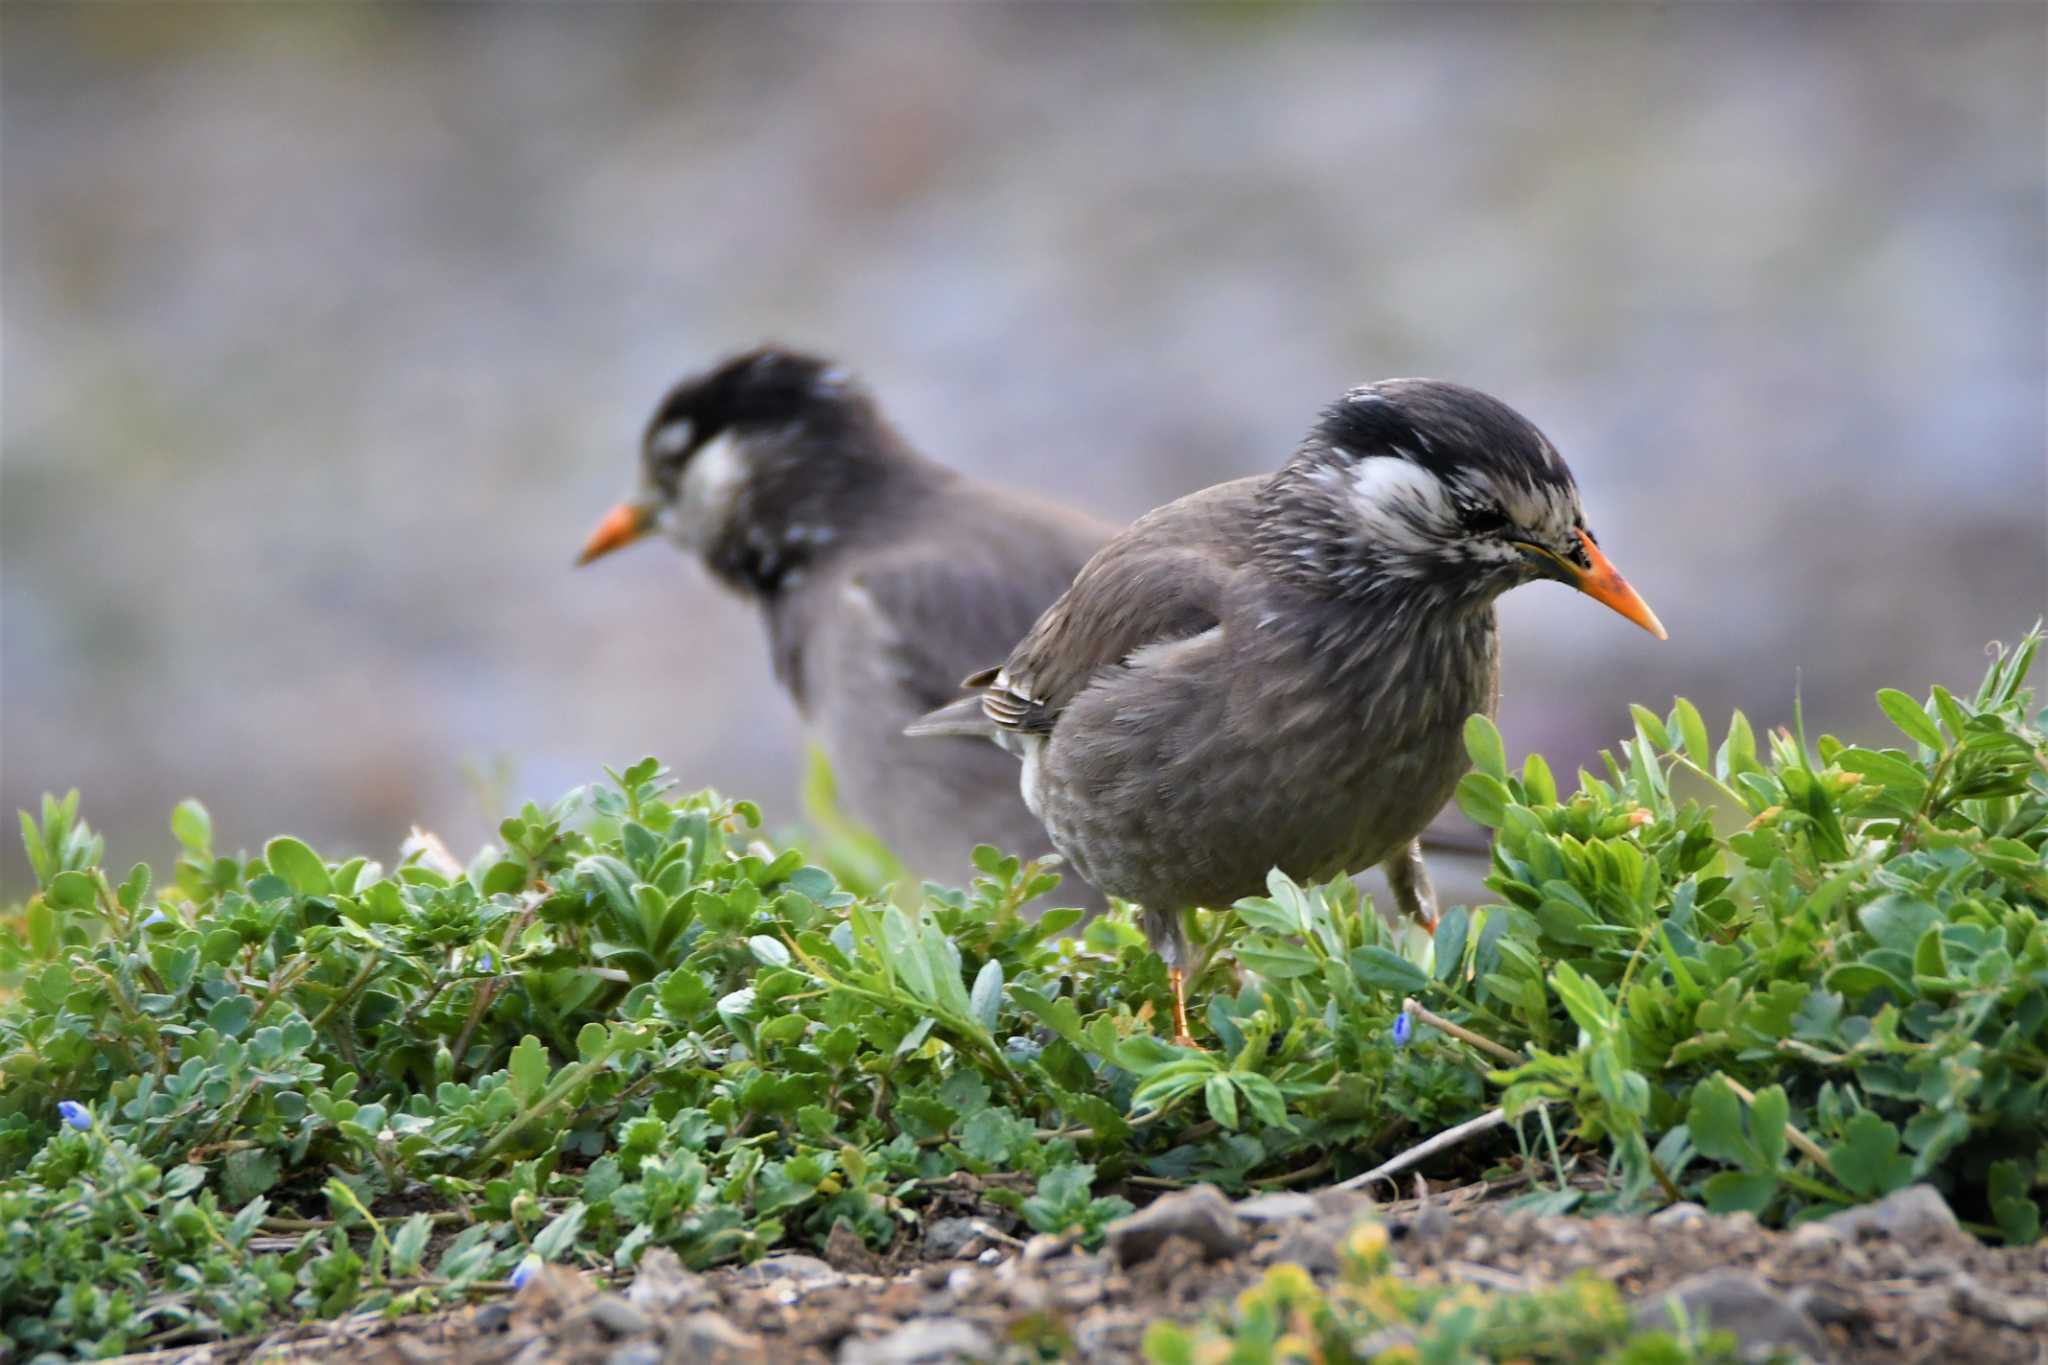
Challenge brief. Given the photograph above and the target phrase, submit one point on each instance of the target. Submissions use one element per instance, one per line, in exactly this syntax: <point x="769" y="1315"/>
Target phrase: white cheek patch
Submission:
<point x="1398" y="503"/>
<point x="704" y="498"/>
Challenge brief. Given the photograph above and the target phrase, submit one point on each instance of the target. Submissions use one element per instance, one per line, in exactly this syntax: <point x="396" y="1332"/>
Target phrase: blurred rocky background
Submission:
<point x="330" y="329"/>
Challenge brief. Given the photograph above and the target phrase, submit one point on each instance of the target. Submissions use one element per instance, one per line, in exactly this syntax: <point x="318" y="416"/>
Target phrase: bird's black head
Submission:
<point x="1428" y="489"/>
<point x="758" y="464"/>
<point x="765" y="392"/>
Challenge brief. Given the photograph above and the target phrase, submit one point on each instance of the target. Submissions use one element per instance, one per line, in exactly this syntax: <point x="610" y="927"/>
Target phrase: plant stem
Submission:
<point x="1462" y="1034"/>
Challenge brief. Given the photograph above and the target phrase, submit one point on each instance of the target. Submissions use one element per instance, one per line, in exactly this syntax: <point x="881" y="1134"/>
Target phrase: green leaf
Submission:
<point x="193" y="828"/>
<point x="612" y="880"/>
<point x="1651" y="727"/>
<point x="1715" y="1122"/>
<point x="1898" y="921"/>
<point x="1887" y="768"/>
<point x="43" y="938"/>
<point x="1222" y="1100"/>
<point x="768" y="951"/>
<point x="409" y="1245"/>
<point x="231" y="1014"/>
<point x="1484" y="799"/>
<point x="1951" y="712"/>
<point x="1767" y="1118"/>
<point x="1739" y="1191"/>
<point x="134" y="888"/>
<point x="1387" y="970"/>
<point x="1737" y="754"/>
<point x="1588" y="1006"/>
<point x="1867" y="1160"/>
<point x="38" y="853"/>
<point x="992" y="1135"/>
<point x="1482" y="742"/>
<point x="72" y="891"/>
<point x="914" y="1039"/>
<point x="1693" y="731"/>
<point x="1451" y="930"/>
<point x="298" y="865"/>
<point x="1855" y="980"/>
<point x="527" y="1070"/>
<point x="986" y="1000"/>
<point x="2012" y="1202"/>
<point x="1910" y="717"/>
<point x="555" y="1240"/>
<point x="1279" y="962"/>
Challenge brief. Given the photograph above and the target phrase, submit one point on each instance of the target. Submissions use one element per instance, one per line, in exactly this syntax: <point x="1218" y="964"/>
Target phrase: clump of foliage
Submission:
<point x="1845" y="995"/>
<point x="283" y="1084"/>
<point x="1371" y="1314"/>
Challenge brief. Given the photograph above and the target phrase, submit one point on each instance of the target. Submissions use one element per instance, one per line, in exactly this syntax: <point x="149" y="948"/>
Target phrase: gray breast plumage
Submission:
<point x="1317" y="738"/>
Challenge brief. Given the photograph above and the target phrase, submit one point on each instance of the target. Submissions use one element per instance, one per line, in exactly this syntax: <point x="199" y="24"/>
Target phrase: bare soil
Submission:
<point x="1906" y="1286"/>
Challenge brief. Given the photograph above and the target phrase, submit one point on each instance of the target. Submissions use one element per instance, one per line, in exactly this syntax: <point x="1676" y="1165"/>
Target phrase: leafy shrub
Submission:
<point x="283" y="1085"/>
<point x="1847" y="994"/>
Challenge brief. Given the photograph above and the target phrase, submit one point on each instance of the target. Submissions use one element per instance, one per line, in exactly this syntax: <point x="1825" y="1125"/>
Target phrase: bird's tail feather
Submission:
<point x="962" y="717"/>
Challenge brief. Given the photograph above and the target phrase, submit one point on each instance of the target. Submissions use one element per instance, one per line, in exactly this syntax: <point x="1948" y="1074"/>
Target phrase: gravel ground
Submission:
<point x="1894" y="1282"/>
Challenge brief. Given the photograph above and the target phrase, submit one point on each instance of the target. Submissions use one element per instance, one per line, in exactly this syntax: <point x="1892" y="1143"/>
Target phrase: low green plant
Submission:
<point x="282" y="1084"/>
<point x="1846" y="994"/>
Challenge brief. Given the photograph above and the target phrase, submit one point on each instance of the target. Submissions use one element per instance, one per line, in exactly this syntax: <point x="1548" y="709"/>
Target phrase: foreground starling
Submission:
<point x="1276" y="671"/>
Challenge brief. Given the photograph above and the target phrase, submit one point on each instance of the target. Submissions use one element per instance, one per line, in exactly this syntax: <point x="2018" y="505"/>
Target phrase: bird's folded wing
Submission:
<point x="1164" y="580"/>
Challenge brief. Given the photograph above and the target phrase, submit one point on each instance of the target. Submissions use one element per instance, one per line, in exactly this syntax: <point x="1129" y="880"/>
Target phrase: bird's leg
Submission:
<point x="1408" y="879"/>
<point x="1167" y="930"/>
<point x="1181" y="1037"/>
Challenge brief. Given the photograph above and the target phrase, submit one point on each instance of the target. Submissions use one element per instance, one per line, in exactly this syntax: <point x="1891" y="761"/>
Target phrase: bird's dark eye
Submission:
<point x="1482" y="519"/>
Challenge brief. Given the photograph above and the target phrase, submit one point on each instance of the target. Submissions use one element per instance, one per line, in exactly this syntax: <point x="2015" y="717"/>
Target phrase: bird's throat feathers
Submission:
<point x="772" y="502"/>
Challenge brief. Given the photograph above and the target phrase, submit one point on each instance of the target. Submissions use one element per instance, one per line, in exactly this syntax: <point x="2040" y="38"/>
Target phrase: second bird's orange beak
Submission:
<point x="1602" y="582"/>
<point x="621" y="526"/>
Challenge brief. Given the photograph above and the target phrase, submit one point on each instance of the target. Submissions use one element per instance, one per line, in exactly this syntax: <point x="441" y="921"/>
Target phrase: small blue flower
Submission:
<point x="525" y="1271"/>
<point x="75" y="1114"/>
<point x="486" y="961"/>
<point x="1404" y="1029"/>
<point x="156" y="917"/>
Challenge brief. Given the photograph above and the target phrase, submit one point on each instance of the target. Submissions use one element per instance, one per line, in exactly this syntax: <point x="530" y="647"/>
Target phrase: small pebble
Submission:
<point x="1761" y="1318"/>
<point x="921" y="1341"/>
<point x="1201" y="1215"/>
<point x="617" y="1316"/>
<point x="945" y="1238"/>
<point x="1914" y="1214"/>
<point x="1684" y="1211"/>
<point x="1814" y="1237"/>
<point x="702" y="1333"/>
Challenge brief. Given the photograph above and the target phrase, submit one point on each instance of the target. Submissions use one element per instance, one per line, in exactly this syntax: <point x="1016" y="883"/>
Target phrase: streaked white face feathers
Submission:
<point x="1415" y="522"/>
<point x="710" y="483"/>
<point x="1399" y="504"/>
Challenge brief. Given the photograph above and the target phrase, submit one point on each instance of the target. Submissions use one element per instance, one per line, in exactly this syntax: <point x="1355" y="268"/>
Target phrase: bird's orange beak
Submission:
<point x="1602" y="582"/>
<point x="621" y="526"/>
